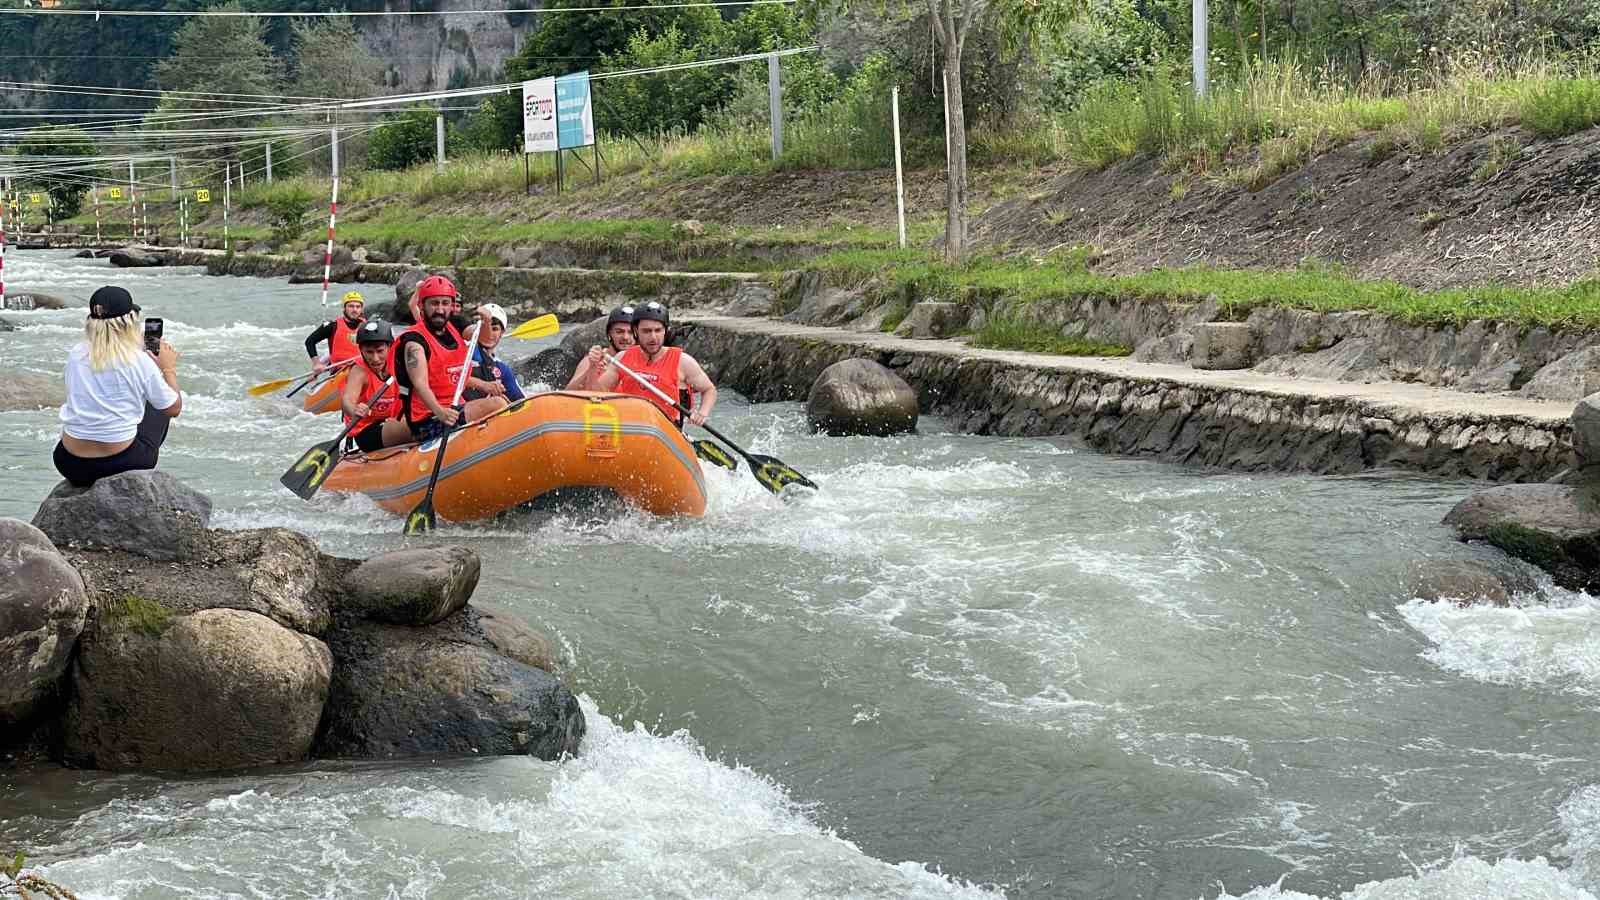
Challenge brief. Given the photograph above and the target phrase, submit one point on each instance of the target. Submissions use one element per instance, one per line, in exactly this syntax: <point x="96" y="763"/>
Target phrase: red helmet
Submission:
<point x="435" y="286"/>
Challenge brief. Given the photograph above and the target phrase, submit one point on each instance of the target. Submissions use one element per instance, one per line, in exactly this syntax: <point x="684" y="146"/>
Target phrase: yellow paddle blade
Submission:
<point x="543" y="326"/>
<point x="267" y="387"/>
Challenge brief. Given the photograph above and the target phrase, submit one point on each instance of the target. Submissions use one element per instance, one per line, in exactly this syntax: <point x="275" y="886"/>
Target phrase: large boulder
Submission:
<point x="1572" y="377"/>
<point x="579" y="339"/>
<point x="751" y="298"/>
<point x="1586" y="430"/>
<point x="400" y="691"/>
<point x="411" y="587"/>
<point x="509" y="635"/>
<point x="551" y="366"/>
<point x="43" y="606"/>
<point x="932" y="319"/>
<point x="1222" y="345"/>
<point x="216" y="689"/>
<point x="1553" y="526"/>
<point x="147" y="512"/>
<point x="1466" y="582"/>
<point x="859" y="396"/>
<point x="134" y="258"/>
<point x="342" y="266"/>
<point x="27" y="390"/>
<point x="275" y="571"/>
<point x="404" y="288"/>
<point x="25" y="300"/>
<point x="6" y="326"/>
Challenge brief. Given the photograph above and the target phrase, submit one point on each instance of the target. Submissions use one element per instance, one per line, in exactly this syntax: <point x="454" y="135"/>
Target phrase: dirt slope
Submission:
<point x="1426" y="220"/>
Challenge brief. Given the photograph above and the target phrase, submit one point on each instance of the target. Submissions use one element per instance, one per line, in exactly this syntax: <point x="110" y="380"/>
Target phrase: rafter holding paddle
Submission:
<point x="314" y="466"/>
<point x="773" y="473"/>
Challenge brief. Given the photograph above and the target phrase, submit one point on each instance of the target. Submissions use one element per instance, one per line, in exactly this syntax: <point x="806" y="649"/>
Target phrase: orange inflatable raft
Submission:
<point x="324" y="398"/>
<point x="561" y="439"/>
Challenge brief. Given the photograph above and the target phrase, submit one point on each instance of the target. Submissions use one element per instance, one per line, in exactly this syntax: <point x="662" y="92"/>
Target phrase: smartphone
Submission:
<point x="152" y="335"/>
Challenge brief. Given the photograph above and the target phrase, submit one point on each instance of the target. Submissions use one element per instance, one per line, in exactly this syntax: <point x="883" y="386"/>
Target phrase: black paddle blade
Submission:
<point x="308" y="472"/>
<point x="422" y="520"/>
<point x="775" y="474"/>
<point x="715" y="455"/>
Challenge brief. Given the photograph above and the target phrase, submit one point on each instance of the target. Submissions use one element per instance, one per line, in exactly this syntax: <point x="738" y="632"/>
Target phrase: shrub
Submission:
<point x="1559" y="107"/>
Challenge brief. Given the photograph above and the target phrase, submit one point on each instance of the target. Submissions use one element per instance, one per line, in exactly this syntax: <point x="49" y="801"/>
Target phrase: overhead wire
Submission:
<point x="314" y="14"/>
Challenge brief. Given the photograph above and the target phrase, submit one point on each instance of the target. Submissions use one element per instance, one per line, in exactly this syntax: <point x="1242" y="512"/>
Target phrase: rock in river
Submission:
<point x="411" y="587"/>
<point x="400" y="691"/>
<point x="1554" y="526"/>
<point x="859" y="396"/>
<point x="147" y="512"/>
<point x="216" y="689"/>
<point x="43" y="606"/>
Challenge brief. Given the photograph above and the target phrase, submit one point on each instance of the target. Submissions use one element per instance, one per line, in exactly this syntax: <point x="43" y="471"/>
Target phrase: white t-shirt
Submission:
<point x="107" y="406"/>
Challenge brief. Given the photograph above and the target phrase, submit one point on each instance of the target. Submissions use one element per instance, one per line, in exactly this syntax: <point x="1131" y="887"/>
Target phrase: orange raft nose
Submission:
<point x="561" y="439"/>
<point x="324" y="398"/>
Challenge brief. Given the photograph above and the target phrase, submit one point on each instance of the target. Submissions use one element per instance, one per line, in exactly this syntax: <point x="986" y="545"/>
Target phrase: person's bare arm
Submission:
<point x="690" y="373"/>
<point x="350" y="398"/>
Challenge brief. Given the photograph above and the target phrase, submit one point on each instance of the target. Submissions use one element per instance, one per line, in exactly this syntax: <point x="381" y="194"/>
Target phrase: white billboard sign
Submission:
<point x="539" y="116"/>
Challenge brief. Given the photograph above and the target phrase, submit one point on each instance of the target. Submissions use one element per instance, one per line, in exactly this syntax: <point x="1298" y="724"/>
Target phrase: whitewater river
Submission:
<point x="969" y="666"/>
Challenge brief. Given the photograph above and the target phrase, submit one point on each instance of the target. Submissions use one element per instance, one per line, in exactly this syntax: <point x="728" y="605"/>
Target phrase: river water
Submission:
<point x="969" y="666"/>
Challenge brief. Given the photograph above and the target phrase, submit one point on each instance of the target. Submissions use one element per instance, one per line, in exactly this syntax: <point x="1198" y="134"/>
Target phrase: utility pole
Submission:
<point x="438" y="143"/>
<point x="775" y="105"/>
<point x="1202" y="24"/>
<point x="269" y="162"/>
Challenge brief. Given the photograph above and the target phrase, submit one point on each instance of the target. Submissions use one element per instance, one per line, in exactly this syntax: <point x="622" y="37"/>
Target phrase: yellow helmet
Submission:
<point x="353" y="297"/>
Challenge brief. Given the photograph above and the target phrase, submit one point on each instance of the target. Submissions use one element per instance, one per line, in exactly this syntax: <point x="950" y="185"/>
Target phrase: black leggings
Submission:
<point x="141" y="454"/>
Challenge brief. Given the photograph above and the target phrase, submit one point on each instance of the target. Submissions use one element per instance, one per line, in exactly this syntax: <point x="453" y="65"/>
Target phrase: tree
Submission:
<point x="331" y="61"/>
<point x="63" y="179"/>
<point x="1016" y="23"/>
<point x="226" y="56"/>
<point x="403" y="141"/>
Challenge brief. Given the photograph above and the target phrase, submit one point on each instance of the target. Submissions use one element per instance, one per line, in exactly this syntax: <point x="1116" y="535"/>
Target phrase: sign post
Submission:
<point x="899" y="178"/>
<point x="538" y="123"/>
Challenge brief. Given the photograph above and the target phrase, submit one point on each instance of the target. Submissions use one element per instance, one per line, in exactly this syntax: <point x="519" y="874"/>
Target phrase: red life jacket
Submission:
<point x="663" y="373"/>
<point x="342" y="345"/>
<point x="444" y="368"/>
<point x="384" y="407"/>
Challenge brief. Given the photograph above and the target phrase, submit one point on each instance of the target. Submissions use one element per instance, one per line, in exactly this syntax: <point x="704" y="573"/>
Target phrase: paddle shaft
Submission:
<point x="444" y="439"/>
<point x="335" y="368"/>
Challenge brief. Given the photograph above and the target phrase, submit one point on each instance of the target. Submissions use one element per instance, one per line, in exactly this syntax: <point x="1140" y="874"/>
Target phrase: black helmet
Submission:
<point x="651" y="312"/>
<point x="375" y="331"/>
<point x="623" y="314"/>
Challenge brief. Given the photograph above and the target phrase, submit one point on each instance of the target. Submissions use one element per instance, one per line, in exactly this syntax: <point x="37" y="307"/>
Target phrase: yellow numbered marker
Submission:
<point x="36" y="199"/>
<point x="116" y="193"/>
<point x="202" y="196"/>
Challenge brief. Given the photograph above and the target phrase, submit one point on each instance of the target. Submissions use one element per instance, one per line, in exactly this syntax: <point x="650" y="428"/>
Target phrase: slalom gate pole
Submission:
<point x="2" y="250"/>
<point x="96" y="192"/>
<point x="333" y="214"/>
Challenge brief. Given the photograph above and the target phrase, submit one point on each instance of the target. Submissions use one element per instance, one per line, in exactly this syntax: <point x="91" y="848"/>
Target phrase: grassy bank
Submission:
<point x="1276" y="116"/>
<point x="985" y="281"/>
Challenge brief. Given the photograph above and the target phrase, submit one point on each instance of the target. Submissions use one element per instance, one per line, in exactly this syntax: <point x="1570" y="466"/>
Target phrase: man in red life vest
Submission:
<point x="667" y="368"/>
<point x="340" y="334"/>
<point x="368" y="397"/>
<point x="433" y="354"/>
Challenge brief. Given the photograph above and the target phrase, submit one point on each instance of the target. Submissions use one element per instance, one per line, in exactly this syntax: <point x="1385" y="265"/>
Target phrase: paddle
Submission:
<point x="314" y="466"/>
<point x="773" y="473"/>
<point x="267" y="387"/>
<point x="715" y="455"/>
<point x="422" y="519"/>
<point x="542" y="326"/>
<point x="328" y="374"/>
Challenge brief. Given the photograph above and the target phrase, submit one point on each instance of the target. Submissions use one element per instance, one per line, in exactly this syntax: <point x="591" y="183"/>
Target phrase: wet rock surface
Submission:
<point x="147" y="512"/>
<point x="43" y="606"/>
<point x="861" y="397"/>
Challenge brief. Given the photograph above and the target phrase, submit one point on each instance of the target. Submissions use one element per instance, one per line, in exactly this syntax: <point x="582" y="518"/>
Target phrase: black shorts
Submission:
<point x="141" y="454"/>
<point x="426" y="430"/>
<point x="369" y="438"/>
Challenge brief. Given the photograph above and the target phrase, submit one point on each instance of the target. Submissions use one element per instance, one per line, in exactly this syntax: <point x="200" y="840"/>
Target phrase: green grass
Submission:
<point x="1015" y="334"/>
<point x="989" y="281"/>
<point x="1278" y="115"/>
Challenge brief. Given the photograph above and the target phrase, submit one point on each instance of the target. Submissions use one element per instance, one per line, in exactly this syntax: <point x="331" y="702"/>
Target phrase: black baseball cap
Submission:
<point x="111" y="302"/>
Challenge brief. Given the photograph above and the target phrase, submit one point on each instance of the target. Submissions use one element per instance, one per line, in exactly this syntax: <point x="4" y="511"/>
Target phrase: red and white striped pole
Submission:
<point x="3" y="247"/>
<point x="333" y="214"/>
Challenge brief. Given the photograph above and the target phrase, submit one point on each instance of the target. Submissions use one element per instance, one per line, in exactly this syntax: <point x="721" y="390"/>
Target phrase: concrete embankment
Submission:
<point x="1230" y="419"/>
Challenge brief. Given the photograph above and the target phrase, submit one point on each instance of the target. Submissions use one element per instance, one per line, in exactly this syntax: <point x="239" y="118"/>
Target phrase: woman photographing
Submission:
<point x="121" y="396"/>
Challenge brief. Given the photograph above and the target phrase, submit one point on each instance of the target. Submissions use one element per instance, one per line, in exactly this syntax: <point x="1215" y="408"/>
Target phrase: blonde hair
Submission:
<point x="114" y="342"/>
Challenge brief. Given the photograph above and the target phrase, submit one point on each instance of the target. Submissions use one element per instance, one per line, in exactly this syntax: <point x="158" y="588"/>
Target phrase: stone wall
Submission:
<point x="1148" y="411"/>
